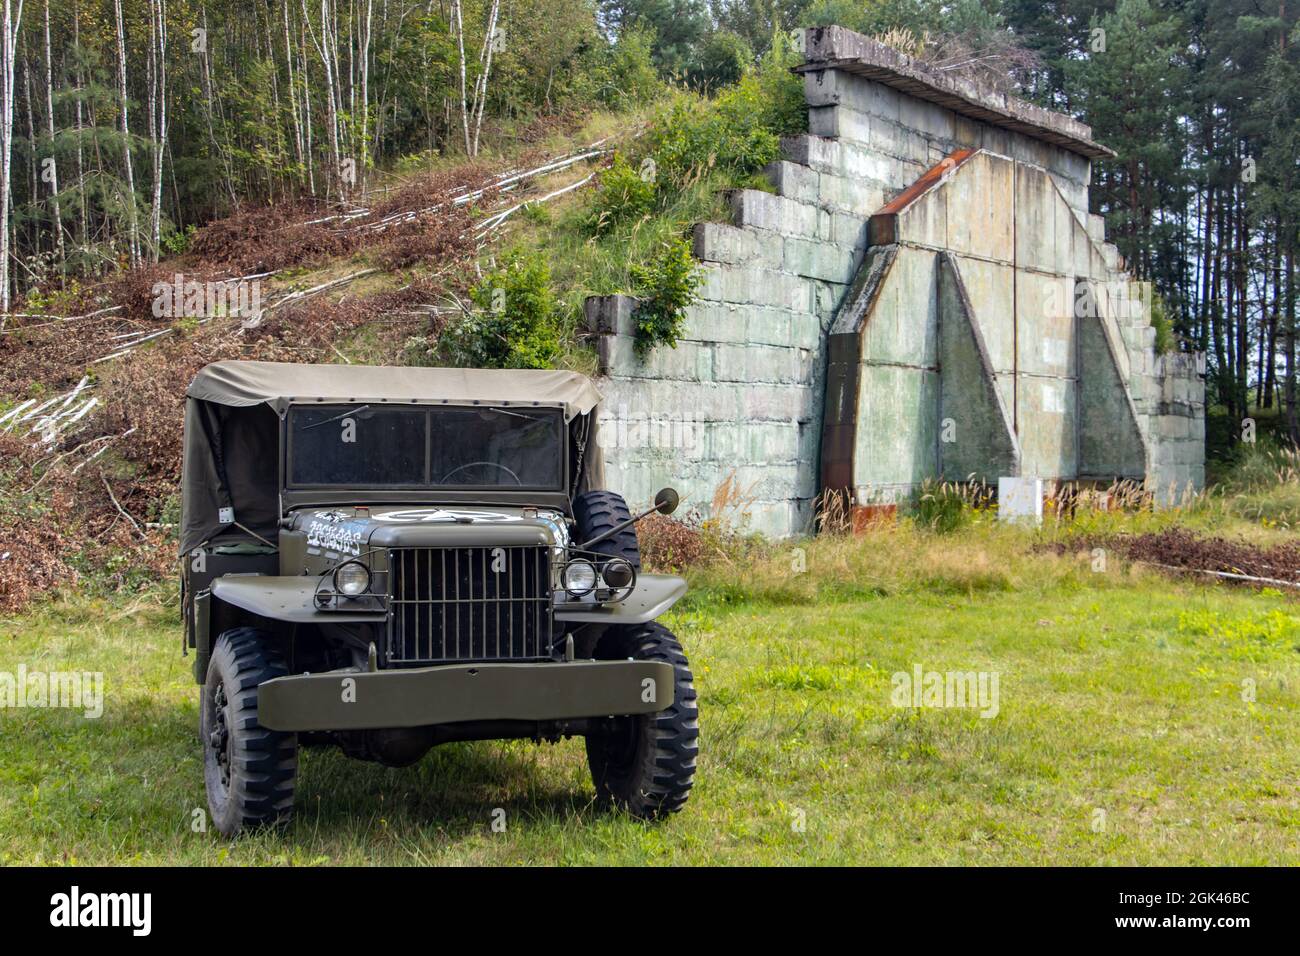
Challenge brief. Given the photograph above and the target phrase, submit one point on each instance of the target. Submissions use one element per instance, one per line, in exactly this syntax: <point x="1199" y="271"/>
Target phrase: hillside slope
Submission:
<point x="479" y="263"/>
<point x="92" y="386"/>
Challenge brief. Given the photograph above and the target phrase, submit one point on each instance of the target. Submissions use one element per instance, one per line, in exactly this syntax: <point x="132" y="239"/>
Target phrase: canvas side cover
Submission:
<point x="231" y="460"/>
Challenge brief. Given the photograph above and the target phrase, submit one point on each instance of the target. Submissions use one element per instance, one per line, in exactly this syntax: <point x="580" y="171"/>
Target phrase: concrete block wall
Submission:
<point x="1175" y="424"/>
<point x="738" y="398"/>
<point x="746" y="379"/>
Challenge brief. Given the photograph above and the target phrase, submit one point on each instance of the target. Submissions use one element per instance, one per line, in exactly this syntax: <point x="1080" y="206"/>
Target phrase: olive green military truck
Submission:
<point x="385" y="559"/>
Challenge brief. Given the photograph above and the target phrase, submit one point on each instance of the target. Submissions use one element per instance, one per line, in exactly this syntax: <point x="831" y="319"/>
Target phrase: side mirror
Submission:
<point x="666" y="501"/>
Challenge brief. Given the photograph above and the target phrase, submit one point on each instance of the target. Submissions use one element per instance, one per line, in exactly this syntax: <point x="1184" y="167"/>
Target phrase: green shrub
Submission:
<point x="666" y="285"/>
<point x="671" y="177"/>
<point x="880" y="16"/>
<point x="775" y="91"/>
<point x="516" y="322"/>
<point x="178" y="240"/>
<point x="536" y="213"/>
<point x="411" y="163"/>
<point x="625" y="195"/>
<point x="54" y="300"/>
<point x="738" y="132"/>
<point x="691" y="136"/>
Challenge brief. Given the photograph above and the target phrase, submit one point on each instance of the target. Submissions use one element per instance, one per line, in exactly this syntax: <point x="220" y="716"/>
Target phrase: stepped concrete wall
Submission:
<point x="923" y="295"/>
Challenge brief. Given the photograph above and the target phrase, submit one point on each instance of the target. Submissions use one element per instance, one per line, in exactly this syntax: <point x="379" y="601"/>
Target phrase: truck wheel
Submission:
<point x="249" y="771"/>
<point x="646" y="763"/>
<point x="595" y="512"/>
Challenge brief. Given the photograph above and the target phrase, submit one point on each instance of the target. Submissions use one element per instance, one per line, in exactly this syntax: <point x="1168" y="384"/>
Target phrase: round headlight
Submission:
<point x="617" y="573"/>
<point x="579" y="577"/>
<point x="351" y="579"/>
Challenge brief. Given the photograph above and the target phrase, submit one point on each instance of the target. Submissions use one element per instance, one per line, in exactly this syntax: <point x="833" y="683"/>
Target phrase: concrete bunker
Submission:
<point x="925" y="296"/>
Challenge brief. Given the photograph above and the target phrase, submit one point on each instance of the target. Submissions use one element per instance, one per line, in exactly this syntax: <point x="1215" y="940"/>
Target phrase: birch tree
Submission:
<point x="53" y="165"/>
<point x="365" y="90"/>
<point x="10" y="21"/>
<point x="485" y="70"/>
<point x="33" y="177"/>
<point x="133" y="225"/>
<point x="323" y="44"/>
<point x="157" y="114"/>
<point x="306" y="111"/>
<point x="474" y="107"/>
<point x="458" y="27"/>
<point x="81" y="159"/>
<point x="293" y="93"/>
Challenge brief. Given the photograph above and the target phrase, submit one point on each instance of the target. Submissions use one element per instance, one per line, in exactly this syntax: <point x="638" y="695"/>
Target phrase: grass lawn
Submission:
<point x="1122" y="734"/>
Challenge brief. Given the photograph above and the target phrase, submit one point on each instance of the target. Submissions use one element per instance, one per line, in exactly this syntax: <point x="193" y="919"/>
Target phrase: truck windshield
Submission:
<point x="415" y="446"/>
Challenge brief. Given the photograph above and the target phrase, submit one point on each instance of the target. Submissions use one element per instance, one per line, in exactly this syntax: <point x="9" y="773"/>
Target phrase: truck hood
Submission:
<point x="353" y="530"/>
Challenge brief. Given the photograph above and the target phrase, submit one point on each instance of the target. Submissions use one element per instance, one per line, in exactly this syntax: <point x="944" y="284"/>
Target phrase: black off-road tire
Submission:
<point x="595" y="512"/>
<point x="249" y="772"/>
<point x="645" y="763"/>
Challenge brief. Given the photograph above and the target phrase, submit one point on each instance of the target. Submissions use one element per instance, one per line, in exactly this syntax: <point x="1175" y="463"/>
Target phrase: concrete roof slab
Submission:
<point x="835" y="48"/>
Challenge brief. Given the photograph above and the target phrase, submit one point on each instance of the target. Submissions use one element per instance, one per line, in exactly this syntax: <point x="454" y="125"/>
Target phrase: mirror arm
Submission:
<point x="586" y="545"/>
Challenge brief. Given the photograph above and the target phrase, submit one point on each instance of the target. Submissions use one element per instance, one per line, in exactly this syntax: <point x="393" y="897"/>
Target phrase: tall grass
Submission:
<point x="946" y="506"/>
<point x="888" y="561"/>
<point x="949" y="541"/>
<point x="1263" y="485"/>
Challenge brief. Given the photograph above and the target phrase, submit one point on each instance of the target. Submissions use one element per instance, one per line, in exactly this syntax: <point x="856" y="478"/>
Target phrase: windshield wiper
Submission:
<point x="506" y="411"/>
<point x="350" y="411"/>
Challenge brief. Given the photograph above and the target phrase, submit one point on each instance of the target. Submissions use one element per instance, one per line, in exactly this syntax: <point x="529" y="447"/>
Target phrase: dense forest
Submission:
<point x="127" y="124"/>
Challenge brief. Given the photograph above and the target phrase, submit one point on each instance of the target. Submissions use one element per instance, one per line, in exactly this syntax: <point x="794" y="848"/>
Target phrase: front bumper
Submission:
<point x="450" y="693"/>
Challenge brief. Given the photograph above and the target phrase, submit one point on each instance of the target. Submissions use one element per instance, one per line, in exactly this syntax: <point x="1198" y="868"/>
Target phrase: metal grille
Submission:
<point x="468" y="604"/>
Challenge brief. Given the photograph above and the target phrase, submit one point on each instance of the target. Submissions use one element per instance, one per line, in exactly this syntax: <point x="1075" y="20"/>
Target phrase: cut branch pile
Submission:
<point x="51" y="419"/>
<point x="1183" y="552"/>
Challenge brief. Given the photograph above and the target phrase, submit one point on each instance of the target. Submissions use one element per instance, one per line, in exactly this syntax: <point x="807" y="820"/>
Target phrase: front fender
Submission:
<point x="653" y="595"/>
<point x="291" y="599"/>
